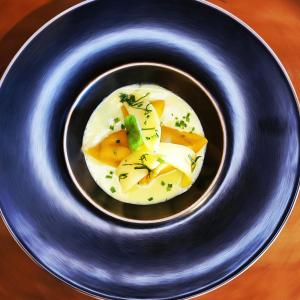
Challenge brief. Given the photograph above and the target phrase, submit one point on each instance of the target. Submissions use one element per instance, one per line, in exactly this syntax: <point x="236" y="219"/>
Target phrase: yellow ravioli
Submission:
<point x="135" y="167"/>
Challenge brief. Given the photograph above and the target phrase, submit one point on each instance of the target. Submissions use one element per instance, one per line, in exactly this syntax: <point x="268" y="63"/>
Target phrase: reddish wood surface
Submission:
<point x="276" y="276"/>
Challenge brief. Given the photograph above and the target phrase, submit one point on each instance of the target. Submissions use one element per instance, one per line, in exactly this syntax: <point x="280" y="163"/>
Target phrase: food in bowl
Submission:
<point x="143" y="144"/>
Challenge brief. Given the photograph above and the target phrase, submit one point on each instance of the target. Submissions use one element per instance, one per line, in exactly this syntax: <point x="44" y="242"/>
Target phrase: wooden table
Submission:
<point x="277" y="274"/>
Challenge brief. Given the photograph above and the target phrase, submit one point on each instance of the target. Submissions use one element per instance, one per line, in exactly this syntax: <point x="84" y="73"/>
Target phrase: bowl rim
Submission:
<point x="268" y="243"/>
<point x="208" y="191"/>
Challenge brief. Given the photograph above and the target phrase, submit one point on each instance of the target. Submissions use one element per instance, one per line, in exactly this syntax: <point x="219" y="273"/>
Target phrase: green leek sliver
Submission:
<point x="135" y="139"/>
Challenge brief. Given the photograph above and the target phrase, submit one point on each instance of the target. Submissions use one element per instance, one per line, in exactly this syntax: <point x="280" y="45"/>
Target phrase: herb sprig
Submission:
<point x="133" y="102"/>
<point x="143" y="157"/>
<point x="194" y="161"/>
<point x="139" y="166"/>
<point x="123" y="176"/>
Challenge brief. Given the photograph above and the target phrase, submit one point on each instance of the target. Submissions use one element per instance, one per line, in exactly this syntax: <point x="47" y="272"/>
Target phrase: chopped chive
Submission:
<point x="148" y="138"/>
<point x="116" y="120"/>
<point x="111" y="172"/>
<point x="139" y="166"/>
<point x="123" y="176"/>
<point x="148" y="128"/>
<point x="160" y="160"/>
<point x="192" y="129"/>
<point x="123" y="126"/>
<point x="194" y="161"/>
<point x="162" y="183"/>
<point x="111" y="127"/>
<point x="180" y="124"/>
<point x="118" y="141"/>
<point x="113" y="189"/>
<point x="143" y="157"/>
<point x="108" y="176"/>
<point x="150" y="199"/>
<point x="169" y="187"/>
<point x="187" y="118"/>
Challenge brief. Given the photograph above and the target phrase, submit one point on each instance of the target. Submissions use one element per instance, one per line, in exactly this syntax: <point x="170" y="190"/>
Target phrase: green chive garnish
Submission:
<point x="123" y="176"/>
<point x="169" y="187"/>
<point x="148" y="128"/>
<point x="180" y="124"/>
<point x="187" y="118"/>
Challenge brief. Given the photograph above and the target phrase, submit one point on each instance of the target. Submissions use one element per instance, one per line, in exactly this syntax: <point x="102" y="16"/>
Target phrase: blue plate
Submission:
<point x="99" y="254"/>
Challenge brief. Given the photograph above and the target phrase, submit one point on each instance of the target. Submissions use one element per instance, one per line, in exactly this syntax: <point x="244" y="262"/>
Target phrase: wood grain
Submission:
<point x="276" y="276"/>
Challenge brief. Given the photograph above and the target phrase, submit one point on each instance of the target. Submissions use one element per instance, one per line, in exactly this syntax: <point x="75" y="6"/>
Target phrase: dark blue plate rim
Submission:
<point x="258" y="253"/>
